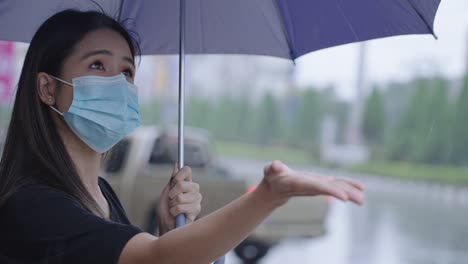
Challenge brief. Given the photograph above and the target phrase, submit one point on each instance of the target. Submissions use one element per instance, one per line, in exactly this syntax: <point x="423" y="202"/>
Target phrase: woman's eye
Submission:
<point x="97" y="66"/>
<point x="128" y="73"/>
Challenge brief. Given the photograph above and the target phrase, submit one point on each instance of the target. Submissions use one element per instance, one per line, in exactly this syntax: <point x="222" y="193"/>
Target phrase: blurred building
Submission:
<point x="353" y="151"/>
<point x="342" y="154"/>
<point x="354" y="135"/>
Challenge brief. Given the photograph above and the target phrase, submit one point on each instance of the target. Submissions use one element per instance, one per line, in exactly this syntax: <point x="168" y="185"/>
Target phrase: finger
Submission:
<point x="353" y="183"/>
<point x="306" y="184"/>
<point x="190" y="218"/>
<point x="347" y="186"/>
<point x="185" y="174"/>
<point x="184" y="187"/>
<point x="266" y="169"/>
<point x="355" y="195"/>
<point x="187" y="209"/>
<point x="165" y="191"/>
<point x="186" y="198"/>
<point x="276" y="167"/>
<point x="175" y="168"/>
<point x="336" y="192"/>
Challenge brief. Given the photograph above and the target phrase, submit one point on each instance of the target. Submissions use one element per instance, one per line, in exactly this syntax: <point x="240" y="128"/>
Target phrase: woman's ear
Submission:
<point x="46" y="87"/>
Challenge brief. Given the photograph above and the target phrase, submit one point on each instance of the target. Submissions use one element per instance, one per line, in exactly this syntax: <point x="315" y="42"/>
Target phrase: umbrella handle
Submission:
<point x="180" y="220"/>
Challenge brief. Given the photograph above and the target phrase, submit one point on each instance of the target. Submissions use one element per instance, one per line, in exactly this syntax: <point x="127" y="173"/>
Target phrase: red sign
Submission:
<point x="6" y="71"/>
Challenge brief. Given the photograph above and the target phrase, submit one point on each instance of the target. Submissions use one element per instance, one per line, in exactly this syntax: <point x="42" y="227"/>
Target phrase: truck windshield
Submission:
<point x="166" y="153"/>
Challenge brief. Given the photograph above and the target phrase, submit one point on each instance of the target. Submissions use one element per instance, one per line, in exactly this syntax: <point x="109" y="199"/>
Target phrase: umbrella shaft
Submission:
<point x="180" y="219"/>
<point x="181" y="83"/>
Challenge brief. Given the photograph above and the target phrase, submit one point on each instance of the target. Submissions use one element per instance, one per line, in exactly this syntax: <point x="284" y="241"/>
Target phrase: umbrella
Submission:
<point x="280" y="28"/>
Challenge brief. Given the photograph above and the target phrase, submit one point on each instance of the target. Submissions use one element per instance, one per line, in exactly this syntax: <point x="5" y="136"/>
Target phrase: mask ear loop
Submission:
<point x="60" y="80"/>
<point x="56" y="110"/>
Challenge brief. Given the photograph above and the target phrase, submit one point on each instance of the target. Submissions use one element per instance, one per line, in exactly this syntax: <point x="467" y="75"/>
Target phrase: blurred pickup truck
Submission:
<point x="140" y="166"/>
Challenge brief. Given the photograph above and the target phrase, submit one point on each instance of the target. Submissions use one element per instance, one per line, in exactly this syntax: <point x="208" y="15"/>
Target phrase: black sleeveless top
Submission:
<point x="39" y="224"/>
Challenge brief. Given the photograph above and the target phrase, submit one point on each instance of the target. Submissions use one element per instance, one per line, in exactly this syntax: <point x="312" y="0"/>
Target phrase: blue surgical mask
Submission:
<point x="103" y="111"/>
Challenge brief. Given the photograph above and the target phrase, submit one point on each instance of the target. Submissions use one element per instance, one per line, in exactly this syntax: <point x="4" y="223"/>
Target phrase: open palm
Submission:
<point x="286" y="182"/>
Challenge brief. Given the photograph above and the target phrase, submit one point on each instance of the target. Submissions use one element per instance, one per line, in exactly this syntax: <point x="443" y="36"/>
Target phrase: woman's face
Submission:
<point x="102" y="52"/>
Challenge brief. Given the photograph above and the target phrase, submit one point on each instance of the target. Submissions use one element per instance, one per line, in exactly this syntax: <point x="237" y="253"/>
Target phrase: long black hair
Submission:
<point x="34" y="151"/>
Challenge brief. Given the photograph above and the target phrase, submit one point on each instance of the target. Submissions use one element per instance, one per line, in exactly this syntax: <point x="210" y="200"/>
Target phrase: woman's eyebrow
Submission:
<point x="96" y="52"/>
<point x="108" y="53"/>
<point x="130" y="60"/>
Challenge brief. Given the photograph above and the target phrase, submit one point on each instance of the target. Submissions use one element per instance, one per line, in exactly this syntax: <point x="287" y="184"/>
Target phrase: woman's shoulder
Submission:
<point x="40" y="211"/>
<point x="35" y="194"/>
<point x="50" y="219"/>
<point x="37" y="197"/>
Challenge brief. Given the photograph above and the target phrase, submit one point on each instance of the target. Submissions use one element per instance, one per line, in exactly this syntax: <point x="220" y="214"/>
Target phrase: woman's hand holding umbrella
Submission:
<point x="180" y="196"/>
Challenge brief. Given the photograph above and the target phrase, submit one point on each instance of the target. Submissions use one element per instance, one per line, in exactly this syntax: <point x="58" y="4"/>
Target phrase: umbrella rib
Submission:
<point x="120" y="10"/>
<point x="350" y="26"/>
<point x="423" y="19"/>
<point x="292" y="54"/>
<point x="271" y="28"/>
<point x="202" y="28"/>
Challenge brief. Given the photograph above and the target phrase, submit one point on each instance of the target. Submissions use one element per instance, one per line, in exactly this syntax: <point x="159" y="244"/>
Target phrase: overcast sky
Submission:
<point x="395" y="58"/>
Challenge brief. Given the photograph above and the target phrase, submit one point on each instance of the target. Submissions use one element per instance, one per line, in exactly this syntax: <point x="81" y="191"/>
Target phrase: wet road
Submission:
<point x="401" y="223"/>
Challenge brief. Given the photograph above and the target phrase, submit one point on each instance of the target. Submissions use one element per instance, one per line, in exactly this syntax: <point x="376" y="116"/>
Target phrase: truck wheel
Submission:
<point x="152" y="222"/>
<point x="251" y="251"/>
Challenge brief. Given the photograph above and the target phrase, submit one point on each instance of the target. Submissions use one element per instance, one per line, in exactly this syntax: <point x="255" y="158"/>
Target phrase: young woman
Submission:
<point x="75" y="100"/>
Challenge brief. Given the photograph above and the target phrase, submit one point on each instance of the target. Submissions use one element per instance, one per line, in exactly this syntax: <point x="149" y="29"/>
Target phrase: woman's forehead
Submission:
<point x="103" y="39"/>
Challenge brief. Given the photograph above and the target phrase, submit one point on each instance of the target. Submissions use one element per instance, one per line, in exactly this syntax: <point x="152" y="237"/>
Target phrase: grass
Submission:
<point x="420" y="172"/>
<point x="406" y="171"/>
<point x="257" y="152"/>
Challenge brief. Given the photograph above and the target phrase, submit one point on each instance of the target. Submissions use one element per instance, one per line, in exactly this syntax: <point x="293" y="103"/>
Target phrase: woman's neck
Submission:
<point x="85" y="159"/>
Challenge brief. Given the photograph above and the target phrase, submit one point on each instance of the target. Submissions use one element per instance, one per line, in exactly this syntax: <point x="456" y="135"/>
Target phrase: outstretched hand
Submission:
<point x="285" y="183"/>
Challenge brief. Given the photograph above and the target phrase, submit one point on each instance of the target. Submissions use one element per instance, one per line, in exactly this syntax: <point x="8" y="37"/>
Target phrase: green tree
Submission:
<point x="225" y="126"/>
<point x="341" y="112"/>
<point x="436" y="140"/>
<point x="406" y="140"/>
<point x="200" y="113"/>
<point x="305" y="131"/>
<point x="230" y="118"/>
<point x="244" y="120"/>
<point x="373" y="125"/>
<point x="460" y="127"/>
<point x="424" y="132"/>
<point x="268" y="120"/>
<point x="150" y="113"/>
